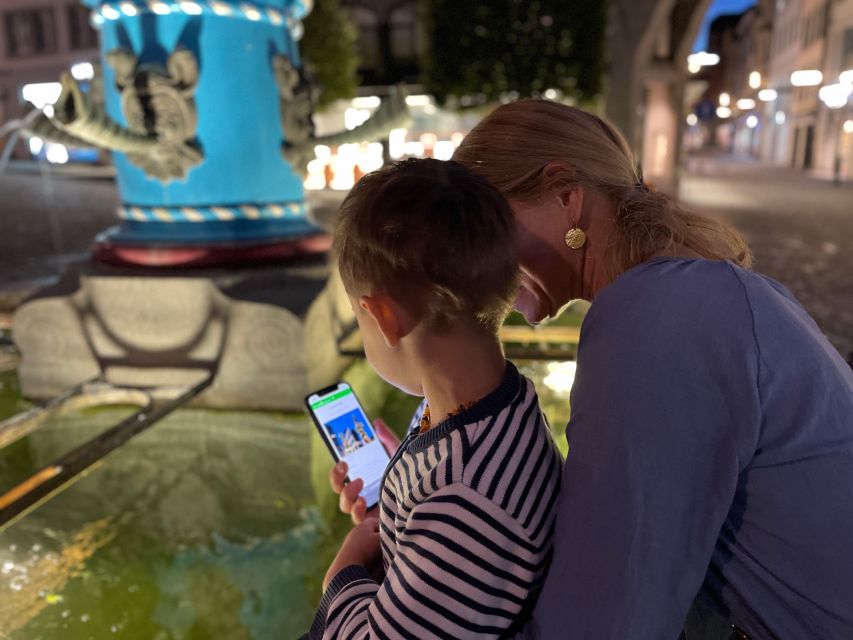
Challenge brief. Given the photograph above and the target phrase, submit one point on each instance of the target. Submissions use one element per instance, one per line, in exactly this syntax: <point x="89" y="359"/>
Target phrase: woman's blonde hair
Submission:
<point x="513" y="145"/>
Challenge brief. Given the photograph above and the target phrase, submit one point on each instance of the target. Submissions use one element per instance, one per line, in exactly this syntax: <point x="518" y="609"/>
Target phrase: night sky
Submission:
<point x="718" y="8"/>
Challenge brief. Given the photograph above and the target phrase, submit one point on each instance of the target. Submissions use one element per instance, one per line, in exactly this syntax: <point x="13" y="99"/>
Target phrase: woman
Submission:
<point x="711" y="437"/>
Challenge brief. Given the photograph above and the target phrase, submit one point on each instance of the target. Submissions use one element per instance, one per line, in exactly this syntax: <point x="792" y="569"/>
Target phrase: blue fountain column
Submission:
<point x="243" y="191"/>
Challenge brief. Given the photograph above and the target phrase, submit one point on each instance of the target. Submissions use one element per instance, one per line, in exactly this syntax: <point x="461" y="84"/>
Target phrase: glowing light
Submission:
<point x="57" y="153"/>
<point x="371" y="159"/>
<point x="746" y="104"/>
<point x="561" y="376"/>
<point x="692" y="120"/>
<point x="754" y="80"/>
<point x="415" y="149"/>
<point x="41" y="93"/>
<point x="457" y="137"/>
<point x="36" y="145"/>
<point x="752" y="122"/>
<point x="48" y="110"/>
<point x="725" y="99"/>
<point x="551" y="94"/>
<point x="429" y="139"/>
<point x="780" y="118"/>
<point x="251" y="12"/>
<point x="443" y="150"/>
<point x="848" y="126"/>
<point x="275" y="17"/>
<point x="343" y="167"/>
<point x="694" y="68"/>
<point x="768" y="95"/>
<point x="397" y="143"/>
<point x="129" y="9"/>
<point x="835" y="96"/>
<point x="191" y="8"/>
<point x="110" y="13"/>
<point x="703" y="59"/>
<point x="160" y="8"/>
<point x="846" y="77"/>
<point x="96" y="20"/>
<point x="418" y="101"/>
<point x="323" y="153"/>
<point x="724" y="112"/>
<point x="82" y="71"/>
<point x="355" y="117"/>
<point x="221" y="8"/>
<point x="367" y="102"/>
<point x="806" y="78"/>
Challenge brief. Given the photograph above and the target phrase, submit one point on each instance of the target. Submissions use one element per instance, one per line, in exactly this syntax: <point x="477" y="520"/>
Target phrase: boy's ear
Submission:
<point x="388" y="316"/>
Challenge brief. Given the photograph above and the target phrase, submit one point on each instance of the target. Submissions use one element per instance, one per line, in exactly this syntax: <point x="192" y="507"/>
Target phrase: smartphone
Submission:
<point x="350" y="437"/>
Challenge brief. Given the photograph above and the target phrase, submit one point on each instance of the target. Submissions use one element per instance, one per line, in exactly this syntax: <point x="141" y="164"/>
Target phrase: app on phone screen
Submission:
<point x="352" y="436"/>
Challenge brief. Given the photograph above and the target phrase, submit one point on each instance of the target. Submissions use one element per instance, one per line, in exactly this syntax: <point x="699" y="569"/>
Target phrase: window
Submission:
<point x="30" y="32"/>
<point x="404" y="34"/>
<point x="368" y="36"/>
<point x="847" y="50"/>
<point x="81" y="33"/>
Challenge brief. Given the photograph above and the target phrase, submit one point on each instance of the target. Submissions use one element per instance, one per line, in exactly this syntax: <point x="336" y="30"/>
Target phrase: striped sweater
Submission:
<point x="465" y="525"/>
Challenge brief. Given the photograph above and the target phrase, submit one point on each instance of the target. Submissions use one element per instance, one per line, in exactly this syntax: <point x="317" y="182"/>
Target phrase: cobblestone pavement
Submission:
<point x="800" y="230"/>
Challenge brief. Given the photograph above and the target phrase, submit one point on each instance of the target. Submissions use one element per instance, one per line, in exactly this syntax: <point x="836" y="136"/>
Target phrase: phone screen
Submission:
<point x="351" y="437"/>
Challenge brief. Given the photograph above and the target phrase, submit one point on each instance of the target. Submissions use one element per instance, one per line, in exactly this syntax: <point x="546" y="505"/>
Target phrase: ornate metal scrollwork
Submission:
<point x="159" y="102"/>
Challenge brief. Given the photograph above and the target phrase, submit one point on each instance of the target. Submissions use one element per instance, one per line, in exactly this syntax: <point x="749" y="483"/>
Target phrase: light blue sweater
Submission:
<point x="711" y="449"/>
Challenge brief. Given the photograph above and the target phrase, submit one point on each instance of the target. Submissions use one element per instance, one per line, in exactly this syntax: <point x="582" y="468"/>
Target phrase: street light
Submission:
<point x="724" y="112"/>
<point x="754" y="80"/>
<point x="806" y="78"/>
<point x="768" y="95"/>
<point x="725" y="99"/>
<point x="703" y="59"/>
<point x="752" y="122"/>
<point x="746" y="104"/>
<point x="835" y="96"/>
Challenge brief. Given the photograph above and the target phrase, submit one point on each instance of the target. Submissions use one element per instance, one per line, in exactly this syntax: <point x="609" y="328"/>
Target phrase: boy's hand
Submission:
<point x="350" y="502"/>
<point x="360" y="547"/>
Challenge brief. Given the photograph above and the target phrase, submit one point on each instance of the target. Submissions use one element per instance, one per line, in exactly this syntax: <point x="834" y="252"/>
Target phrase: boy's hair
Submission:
<point x="433" y="236"/>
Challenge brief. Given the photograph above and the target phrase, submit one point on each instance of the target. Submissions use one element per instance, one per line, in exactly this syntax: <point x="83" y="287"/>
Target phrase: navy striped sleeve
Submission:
<point x="464" y="569"/>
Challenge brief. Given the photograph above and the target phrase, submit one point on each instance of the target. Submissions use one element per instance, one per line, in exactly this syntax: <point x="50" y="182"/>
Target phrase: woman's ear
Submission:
<point x="387" y="315"/>
<point x="571" y="201"/>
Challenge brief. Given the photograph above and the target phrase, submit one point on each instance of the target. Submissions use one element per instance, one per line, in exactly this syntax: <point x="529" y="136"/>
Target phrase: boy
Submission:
<point x="426" y="253"/>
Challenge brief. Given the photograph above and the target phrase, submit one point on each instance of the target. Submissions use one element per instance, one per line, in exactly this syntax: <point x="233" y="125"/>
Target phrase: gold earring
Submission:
<point x="575" y="238"/>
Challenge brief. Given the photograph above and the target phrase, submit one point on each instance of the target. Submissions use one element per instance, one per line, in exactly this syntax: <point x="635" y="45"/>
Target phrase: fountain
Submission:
<point x="207" y="111"/>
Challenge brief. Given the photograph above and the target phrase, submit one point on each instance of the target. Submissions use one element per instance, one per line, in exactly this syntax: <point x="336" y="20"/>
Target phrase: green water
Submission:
<point x="211" y="525"/>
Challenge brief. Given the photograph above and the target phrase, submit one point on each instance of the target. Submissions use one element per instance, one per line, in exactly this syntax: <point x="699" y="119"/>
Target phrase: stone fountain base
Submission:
<point x="269" y="335"/>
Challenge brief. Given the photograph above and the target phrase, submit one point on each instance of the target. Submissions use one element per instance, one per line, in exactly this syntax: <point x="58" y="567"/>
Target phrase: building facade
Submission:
<point x="834" y="138"/>
<point x="38" y="40"/>
<point x="391" y="40"/>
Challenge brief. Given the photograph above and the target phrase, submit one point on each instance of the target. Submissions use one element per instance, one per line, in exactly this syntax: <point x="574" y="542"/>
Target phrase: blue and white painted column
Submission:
<point x="224" y="115"/>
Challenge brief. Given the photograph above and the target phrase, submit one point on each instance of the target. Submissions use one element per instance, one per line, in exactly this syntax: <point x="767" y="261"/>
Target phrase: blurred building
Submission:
<point x="390" y="40"/>
<point x="834" y="138"/>
<point x="784" y="59"/>
<point x="780" y="91"/>
<point x="39" y="40"/>
<point x="743" y="42"/>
